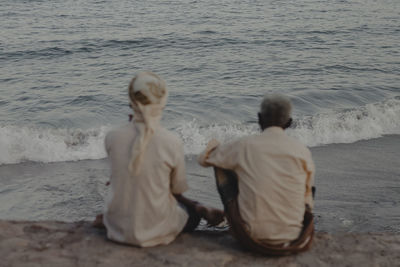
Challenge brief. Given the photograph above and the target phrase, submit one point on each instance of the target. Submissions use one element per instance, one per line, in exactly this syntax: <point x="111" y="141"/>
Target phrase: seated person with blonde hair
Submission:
<point x="146" y="206"/>
<point x="266" y="183"/>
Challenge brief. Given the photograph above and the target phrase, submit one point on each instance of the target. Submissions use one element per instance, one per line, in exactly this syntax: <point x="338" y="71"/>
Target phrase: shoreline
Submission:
<point x="356" y="214"/>
<point x="357" y="187"/>
<point x="50" y="243"/>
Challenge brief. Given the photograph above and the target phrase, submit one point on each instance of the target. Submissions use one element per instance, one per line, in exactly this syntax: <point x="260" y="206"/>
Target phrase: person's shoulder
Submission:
<point x="299" y="146"/>
<point x="117" y="132"/>
<point x="240" y="142"/>
<point x="243" y="140"/>
<point x="168" y="142"/>
<point x="120" y="129"/>
<point x="168" y="136"/>
<point x="250" y="139"/>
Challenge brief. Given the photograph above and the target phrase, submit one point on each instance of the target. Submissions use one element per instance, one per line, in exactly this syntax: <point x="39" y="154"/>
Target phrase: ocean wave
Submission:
<point x="57" y="49"/>
<point x="195" y="137"/>
<point x="346" y="126"/>
<point x="19" y="144"/>
<point x="49" y="52"/>
<point x="351" y="125"/>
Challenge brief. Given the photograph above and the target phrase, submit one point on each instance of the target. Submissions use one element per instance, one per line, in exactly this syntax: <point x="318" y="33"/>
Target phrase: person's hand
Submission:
<point x="202" y="158"/>
<point x="98" y="222"/>
<point x="211" y="215"/>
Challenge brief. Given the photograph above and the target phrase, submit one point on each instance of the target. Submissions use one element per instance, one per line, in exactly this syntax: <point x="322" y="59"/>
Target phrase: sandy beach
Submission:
<point x="78" y="244"/>
<point x="357" y="215"/>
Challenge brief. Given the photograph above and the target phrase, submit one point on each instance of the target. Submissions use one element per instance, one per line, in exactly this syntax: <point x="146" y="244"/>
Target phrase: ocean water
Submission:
<point x="65" y="67"/>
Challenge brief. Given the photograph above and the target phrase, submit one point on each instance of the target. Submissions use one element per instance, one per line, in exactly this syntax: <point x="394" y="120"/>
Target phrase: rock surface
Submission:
<point x="50" y="243"/>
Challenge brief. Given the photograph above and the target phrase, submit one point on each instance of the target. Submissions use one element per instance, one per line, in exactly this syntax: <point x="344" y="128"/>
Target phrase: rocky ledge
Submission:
<point x="50" y="243"/>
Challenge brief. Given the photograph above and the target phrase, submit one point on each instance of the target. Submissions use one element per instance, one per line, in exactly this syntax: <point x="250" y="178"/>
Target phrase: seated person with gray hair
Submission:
<point x="266" y="183"/>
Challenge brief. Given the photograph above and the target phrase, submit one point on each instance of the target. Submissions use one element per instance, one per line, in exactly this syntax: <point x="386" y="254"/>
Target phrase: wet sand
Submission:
<point x="358" y="187"/>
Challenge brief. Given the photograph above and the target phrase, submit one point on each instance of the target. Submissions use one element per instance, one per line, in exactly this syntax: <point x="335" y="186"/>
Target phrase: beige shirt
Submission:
<point x="141" y="209"/>
<point x="275" y="176"/>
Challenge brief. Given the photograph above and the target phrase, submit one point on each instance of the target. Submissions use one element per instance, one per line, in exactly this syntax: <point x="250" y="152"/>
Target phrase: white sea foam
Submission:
<point x="196" y="137"/>
<point x="19" y="144"/>
<point x="51" y="145"/>
<point x="348" y="126"/>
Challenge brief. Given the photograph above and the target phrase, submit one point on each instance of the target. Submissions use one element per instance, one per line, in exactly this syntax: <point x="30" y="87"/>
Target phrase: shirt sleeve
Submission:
<point x="223" y="156"/>
<point x="310" y="169"/>
<point x="178" y="174"/>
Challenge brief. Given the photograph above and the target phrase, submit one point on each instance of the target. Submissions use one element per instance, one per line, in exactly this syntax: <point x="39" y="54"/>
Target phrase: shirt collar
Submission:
<point x="273" y="129"/>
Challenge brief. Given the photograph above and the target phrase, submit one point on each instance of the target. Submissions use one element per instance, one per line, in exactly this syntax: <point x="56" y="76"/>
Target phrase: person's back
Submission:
<point x="142" y="209"/>
<point x="274" y="173"/>
<point x="272" y="184"/>
<point x="145" y="206"/>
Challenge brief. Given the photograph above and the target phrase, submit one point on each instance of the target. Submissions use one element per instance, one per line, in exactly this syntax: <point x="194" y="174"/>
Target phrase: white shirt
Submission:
<point x="275" y="176"/>
<point x="141" y="209"/>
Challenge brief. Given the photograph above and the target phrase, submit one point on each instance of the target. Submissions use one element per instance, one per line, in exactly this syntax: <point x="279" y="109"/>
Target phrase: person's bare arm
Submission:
<point x="186" y="201"/>
<point x="211" y="215"/>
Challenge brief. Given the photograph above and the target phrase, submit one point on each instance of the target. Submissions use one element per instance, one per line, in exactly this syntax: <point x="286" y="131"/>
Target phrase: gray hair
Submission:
<point x="276" y="110"/>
